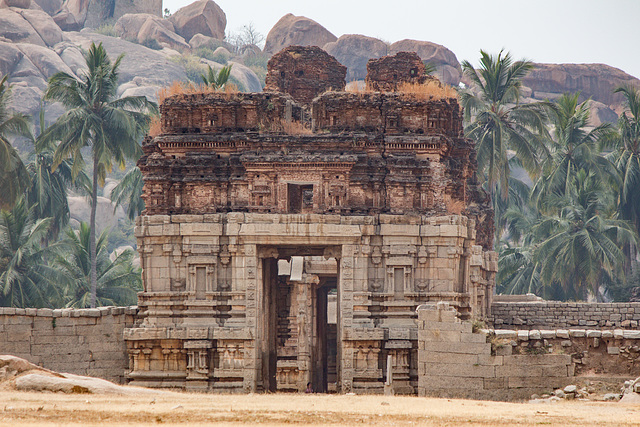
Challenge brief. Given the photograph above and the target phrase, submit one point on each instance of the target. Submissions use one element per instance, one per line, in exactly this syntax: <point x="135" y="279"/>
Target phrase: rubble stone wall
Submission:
<point x="453" y="361"/>
<point x="554" y="314"/>
<point x="593" y="351"/>
<point x="78" y="341"/>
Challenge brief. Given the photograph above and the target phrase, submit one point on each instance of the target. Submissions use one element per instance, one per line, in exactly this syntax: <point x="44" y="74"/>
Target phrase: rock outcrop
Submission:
<point x="44" y="25"/>
<point x="201" y="17"/>
<point x="445" y="61"/>
<point x="354" y="50"/>
<point x="76" y="14"/>
<point x="14" y="27"/>
<point x="595" y="81"/>
<point x="50" y="6"/>
<point x="144" y="26"/>
<point x="296" y="30"/>
<point x="20" y="374"/>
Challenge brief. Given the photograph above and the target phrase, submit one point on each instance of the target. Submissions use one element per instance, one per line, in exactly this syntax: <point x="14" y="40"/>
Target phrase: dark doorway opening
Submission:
<point x="299" y="327"/>
<point x="300" y="198"/>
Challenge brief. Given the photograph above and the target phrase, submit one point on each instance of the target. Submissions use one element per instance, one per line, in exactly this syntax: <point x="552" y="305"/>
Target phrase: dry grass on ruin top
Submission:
<point x="181" y="88"/>
<point x="431" y="90"/>
<point x="171" y="408"/>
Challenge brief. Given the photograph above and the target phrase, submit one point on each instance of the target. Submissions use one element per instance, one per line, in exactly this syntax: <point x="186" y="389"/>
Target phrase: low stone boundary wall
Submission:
<point x="554" y="314"/>
<point x="455" y="362"/>
<point x="593" y="351"/>
<point x="77" y="341"/>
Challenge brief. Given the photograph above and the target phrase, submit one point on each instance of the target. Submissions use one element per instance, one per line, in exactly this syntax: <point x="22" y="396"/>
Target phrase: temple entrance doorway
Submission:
<point x="300" y="321"/>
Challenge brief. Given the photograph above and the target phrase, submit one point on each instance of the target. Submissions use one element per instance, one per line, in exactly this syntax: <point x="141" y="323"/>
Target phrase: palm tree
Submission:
<point x="118" y="280"/>
<point x="498" y="123"/>
<point x="216" y="81"/>
<point x="582" y="242"/>
<point x="13" y="174"/>
<point x="96" y="118"/>
<point x="626" y="157"/>
<point x="47" y="192"/>
<point x="128" y="193"/>
<point x="26" y="280"/>
<point x="572" y="148"/>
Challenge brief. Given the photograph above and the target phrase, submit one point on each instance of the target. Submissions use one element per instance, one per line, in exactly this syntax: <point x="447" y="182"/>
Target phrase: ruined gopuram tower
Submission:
<point x="289" y="235"/>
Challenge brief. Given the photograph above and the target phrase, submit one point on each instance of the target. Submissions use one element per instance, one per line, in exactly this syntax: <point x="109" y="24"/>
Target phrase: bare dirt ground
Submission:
<point x="172" y="408"/>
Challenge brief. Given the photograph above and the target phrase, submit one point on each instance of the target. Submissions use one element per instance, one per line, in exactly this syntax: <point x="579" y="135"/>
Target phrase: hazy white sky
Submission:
<point x="556" y="31"/>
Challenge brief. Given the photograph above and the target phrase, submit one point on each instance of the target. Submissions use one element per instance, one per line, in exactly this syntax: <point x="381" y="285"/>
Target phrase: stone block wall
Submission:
<point x="78" y="341"/>
<point x="554" y="314"/>
<point x="455" y="362"/>
<point x="610" y="352"/>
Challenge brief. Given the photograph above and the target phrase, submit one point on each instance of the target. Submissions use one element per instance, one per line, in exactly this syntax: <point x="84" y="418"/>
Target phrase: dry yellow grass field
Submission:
<point x="170" y="408"/>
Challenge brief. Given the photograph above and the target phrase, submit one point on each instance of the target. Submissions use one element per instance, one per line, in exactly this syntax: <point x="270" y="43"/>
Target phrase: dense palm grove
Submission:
<point x="571" y="232"/>
<point x="567" y="231"/>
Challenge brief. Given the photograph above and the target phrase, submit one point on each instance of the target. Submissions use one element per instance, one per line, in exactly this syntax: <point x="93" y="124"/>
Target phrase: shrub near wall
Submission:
<point x="78" y="341"/>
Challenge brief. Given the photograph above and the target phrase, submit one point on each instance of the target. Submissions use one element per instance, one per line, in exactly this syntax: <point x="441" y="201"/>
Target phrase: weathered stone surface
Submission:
<point x="388" y="73"/>
<point x="45" y="60"/>
<point x="11" y="366"/>
<point x="599" y="113"/>
<point x="9" y="57"/>
<point x="50" y="6"/>
<point x="447" y="66"/>
<point x="21" y="4"/>
<point x="93" y="13"/>
<point x="293" y="30"/>
<point x="138" y="60"/>
<point x="159" y="30"/>
<point x="105" y="216"/>
<point x="44" y="25"/>
<point x="14" y="27"/>
<point x="249" y="80"/>
<point x="200" y="17"/>
<point x="354" y="51"/>
<point x="128" y="26"/>
<point x="596" y="81"/>
<point x="304" y="73"/>
<point x="70" y="383"/>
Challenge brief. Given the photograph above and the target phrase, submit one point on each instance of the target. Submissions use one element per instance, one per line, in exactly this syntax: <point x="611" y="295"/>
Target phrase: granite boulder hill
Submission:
<point x="296" y="30"/>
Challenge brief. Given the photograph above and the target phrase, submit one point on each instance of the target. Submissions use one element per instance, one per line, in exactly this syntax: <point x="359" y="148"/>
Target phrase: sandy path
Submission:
<point x="31" y="408"/>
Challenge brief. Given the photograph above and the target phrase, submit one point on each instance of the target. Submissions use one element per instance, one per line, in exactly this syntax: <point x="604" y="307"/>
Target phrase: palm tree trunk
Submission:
<point x="92" y="233"/>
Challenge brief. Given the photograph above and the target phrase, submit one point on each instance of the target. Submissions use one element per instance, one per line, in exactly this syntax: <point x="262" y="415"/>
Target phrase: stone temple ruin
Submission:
<point x="290" y="235"/>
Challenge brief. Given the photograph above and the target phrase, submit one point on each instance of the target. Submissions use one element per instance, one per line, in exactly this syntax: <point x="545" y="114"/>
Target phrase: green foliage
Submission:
<point x="118" y="281"/>
<point x="208" y="53"/>
<point x="122" y="235"/>
<point x="216" y="80"/>
<point x="430" y="68"/>
<point x="498" y="123"/>
<point x="128" y="193"/>
<point x="112" y="127"/>
<point x="106" y="30"/>
<point x="191" y="65"/>
<point x="47" y="192"/>
<point x="13" y="174"/>
<point x="571" y="148"/>
<point x="26" y="280"/>
<point x="151" y="44"/>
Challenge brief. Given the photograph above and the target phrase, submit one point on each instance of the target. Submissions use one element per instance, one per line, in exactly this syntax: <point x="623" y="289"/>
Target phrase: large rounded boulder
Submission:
<point x="447" y="65"/>
<point x="201" y="17"/>
<point x="595" y="81"/>
<point x="295" y="30"/>
<point x="145" y="26"/>
<point x="354" y="51"/>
